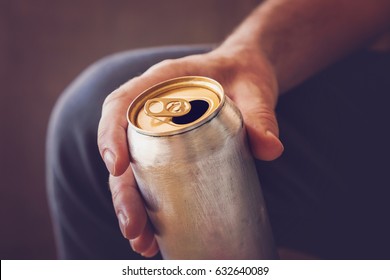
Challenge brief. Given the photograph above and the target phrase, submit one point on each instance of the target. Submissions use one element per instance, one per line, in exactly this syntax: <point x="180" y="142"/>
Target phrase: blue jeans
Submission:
<point x="327" y="195"/>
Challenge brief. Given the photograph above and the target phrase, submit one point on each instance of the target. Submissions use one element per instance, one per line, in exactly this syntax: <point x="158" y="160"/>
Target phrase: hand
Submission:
<point x="248" y="79"/>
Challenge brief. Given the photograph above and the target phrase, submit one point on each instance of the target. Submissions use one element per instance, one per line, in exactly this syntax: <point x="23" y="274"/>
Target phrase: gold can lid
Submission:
<point x="176" y="106"/>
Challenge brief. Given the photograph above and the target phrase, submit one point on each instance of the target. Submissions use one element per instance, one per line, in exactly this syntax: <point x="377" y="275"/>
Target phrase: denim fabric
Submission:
<point x="327" y="194"/>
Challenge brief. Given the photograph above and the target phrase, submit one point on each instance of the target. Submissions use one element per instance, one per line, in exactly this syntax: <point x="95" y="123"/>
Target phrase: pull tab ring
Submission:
<point x="167" y="107"/>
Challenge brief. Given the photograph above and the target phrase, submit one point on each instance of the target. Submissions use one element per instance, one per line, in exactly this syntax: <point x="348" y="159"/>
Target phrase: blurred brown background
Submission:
<point x="44" y="44"/>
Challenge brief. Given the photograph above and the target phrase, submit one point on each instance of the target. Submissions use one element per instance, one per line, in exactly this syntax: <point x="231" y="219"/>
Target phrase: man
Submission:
<point x="301" y="75"/>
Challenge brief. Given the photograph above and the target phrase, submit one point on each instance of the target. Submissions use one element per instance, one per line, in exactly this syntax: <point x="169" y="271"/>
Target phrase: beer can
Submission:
<point x="191" y="161"/>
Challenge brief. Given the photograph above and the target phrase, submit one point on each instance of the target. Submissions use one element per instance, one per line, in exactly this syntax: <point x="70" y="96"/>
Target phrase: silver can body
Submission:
<point x="202" y="191"/>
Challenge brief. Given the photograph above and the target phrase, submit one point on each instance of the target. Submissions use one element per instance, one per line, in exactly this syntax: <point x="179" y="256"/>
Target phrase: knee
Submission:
<point x="77" y="111"/>
<point x="74" y="119"/>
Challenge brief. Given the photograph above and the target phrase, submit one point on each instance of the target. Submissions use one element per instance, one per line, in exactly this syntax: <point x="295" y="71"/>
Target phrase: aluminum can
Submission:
<point x="191" y="161"/>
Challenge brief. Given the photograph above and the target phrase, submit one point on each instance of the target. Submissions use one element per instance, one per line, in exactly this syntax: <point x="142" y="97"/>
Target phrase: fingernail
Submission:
<point x="123" y="221"/>
<point x="132" y="246"/>
<point x="109" y="160"/>
<point x="269" y="132"/>
<point x="151" y="251"/>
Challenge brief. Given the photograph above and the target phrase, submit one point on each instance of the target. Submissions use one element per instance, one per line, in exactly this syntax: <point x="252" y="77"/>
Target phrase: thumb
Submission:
<point x="257" y="107"/>
<point x="263" y="134"/>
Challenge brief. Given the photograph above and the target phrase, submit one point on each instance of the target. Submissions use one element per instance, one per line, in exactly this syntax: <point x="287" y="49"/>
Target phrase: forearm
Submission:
<point x="301" y="37"/>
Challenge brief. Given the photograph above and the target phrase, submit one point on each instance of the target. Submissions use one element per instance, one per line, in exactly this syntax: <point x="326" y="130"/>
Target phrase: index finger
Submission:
<point x="112" y="139"/>
<point x="112" y="136"/>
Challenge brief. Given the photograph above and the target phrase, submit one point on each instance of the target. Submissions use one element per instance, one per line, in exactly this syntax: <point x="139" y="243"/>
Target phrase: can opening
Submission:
<point x="198" y="108"/>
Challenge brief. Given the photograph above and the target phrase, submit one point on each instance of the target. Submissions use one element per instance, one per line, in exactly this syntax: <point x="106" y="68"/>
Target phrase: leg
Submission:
<point x="328" y="193"/>
<point x="80" y="201"/>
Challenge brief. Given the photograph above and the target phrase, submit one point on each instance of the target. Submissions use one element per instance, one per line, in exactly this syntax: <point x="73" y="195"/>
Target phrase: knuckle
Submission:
<point x="268" y="115"/>
<point x="113" y="97"/>
<point x="260" y="111"/>
<point x="263" y="116"/>
<point x="116" y="193"/>
<point x="102" y="132"/>
<point x="101" y="138"/>
<point x="166" y="63"/>
<point x="122" y="92"/>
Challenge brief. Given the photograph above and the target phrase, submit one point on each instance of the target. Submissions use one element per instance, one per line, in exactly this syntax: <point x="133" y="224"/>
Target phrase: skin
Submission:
<point x="269" y="53"/>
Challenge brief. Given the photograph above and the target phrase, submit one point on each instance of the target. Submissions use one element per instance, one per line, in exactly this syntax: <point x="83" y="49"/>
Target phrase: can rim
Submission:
<point x="175" y="83"/>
